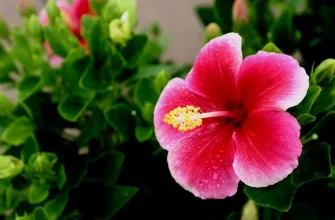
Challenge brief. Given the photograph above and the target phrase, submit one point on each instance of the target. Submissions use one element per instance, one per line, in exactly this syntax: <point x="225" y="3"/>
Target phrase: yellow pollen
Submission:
<point x="184" y="118"/>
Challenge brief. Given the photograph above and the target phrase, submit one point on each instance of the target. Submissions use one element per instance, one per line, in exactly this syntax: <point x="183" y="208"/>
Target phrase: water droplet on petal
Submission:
<point x="218" y="185"/>
<point x="215" y="176"/>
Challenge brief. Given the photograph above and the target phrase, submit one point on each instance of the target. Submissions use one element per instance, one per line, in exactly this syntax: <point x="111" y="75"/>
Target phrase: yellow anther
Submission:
<point x="184" y="118"/>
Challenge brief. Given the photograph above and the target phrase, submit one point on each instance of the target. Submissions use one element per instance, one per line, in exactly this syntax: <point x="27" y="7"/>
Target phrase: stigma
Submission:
<point x="190" y="117"/>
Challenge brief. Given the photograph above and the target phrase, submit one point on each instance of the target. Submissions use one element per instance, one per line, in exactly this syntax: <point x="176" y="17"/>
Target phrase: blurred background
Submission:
<point x="177" y="18"/>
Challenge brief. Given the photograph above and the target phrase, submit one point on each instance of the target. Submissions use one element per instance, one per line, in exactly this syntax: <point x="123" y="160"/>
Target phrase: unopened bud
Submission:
<point x="52" y="9"/>
<point x="212" y="31"/>
<point x="10" y="166"/>
<point x="240" y="11"/>
<point x="324" y="73"/>
<point x="26" y="7"/>
<point x="34" y="26"/>
<point x="120" y="30"/>
<point x="249" y="211"/>
<point x="40" y="165"/>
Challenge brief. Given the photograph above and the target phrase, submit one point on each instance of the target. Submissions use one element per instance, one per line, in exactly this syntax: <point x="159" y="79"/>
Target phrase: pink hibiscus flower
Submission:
<point x="71" y="16"/>
<point x="227" y="122"/>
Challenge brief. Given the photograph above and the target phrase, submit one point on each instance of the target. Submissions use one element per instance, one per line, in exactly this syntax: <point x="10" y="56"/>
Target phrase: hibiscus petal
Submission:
<point x="267" y="148"/>
<point x="176" y="94"/>
<point x="214" y="70"/>
<point x="202" y="163"/>
<point x="81" y="8"/>
<point x="271" y="80"/>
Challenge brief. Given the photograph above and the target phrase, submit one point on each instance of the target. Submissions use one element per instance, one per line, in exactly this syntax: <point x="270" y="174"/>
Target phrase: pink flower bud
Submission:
<point x="25" y="7"/>
<point x="240" y="11"/>
<point x="67" y="15"/>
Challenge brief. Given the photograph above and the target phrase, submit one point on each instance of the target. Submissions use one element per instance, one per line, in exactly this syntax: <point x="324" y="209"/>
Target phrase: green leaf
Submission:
<point x="38" y="193"/>
<point x="96" y="78"/>
<point x="305" y="119"/>
<point x="305" y="106"/>
<point x="75" y="54"/>
<point x="223" y="14"/>
<point x="282" y="32"/>
<point x="18" y="131"/>
<point x="87" y="23"/>
<point x="314" y="163"/>
<point x="30" y="147"/>
<point x="205" y="14"/>
<point x="55" y="41"/>
<point x="24" y="56"/>
<point x="271" y="47"/>
<point x="61" y="177"/>
<point x="132" y="52"/>
<point x="28" y="86"/>
<point x="39" y="212"/>
<point x="324" y="73"/>
<point x="326" y="100"/>
<point x="6" y="106"/>
<point x="14" y="197"/>
<point x="56" y="206"/>
<point x="143" y="133"/>
<point x="120" y="118"/>
<point x="145" y="91"/>
<point x="119" y="197"/>
<point x="106" y="168"/>
<point x="161" y="79"/>
<point x="148" y="112"/>
<point x="72" y="107"/>
<point x="278" y="196"/>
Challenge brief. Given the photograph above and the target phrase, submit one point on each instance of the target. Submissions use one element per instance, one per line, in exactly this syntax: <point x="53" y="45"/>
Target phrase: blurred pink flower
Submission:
<point x="227" y="122"/>
<point x="71" y="15"/>
<point x="240" y="11"/>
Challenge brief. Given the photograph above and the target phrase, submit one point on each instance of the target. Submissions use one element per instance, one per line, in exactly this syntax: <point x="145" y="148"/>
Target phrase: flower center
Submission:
<point x="189" y="117"/>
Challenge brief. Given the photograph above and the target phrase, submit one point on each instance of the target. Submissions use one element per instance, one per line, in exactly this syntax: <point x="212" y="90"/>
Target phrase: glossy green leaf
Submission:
<point x="120" y="118"/>
<point x="106" y="168"/>
<point x="205" y="14"/>
<point x="6" y="106"/>
<point x="326" y="100"/>
<point x="314" y="163"/>
<point x="28" y="86"/>
<point x="38" y="193"/>
<point x="30" y="147"/>
<point x="40" y="213"/>
<point x="305" y="119"/>
<point x="143" y="133"/>
<point x="75" y="54"/>
<point x="56" y="206"/>
<point x="72" y="107"/>
<point x="223" y="14"/>
<point x="145" y="91"/>
<point x="133" y="50"/>
<point x="18" y="131"/>
<point x="271" y="47"/>
<point x="305" y="106"/>
<point x="278" y="196"/>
